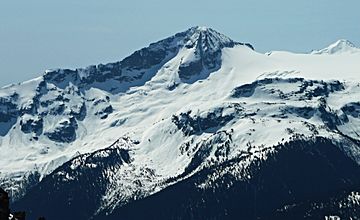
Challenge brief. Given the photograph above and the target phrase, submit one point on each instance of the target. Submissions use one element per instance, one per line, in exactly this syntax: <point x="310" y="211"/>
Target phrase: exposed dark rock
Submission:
<point x="245" y="90"/>
<point x="105" y="110"/>
<point x="64" y="132"/>
<point x="208" y="45"/>
<point x="32" y="125"/>
<point x="304" y="112"/>
<point x="330" y="118"/>
<point x="144" y="58"/>
<point x="322" y="88"/>
<point x="191" y="69"/>
<point x="8" y="110"/>
<point x="57" y="109"/>
<point x="62" y="77"/>
<point x="352" y="109"/>
<point x="79" y="113"/>
<point x="8" y="115"/>
<point x="214" y="119"/>
<point x="308" y="88"/>
<point x="118" y="122"/>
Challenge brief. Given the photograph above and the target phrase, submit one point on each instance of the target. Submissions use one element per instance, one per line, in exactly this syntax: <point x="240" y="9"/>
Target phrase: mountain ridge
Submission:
<point x="193" y="101"/>
<point x="206" y="44"/>
<point x="338" y="47"/>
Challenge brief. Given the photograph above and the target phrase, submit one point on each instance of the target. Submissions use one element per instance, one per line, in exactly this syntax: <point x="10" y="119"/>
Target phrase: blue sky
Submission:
<point x="41" y="34"/>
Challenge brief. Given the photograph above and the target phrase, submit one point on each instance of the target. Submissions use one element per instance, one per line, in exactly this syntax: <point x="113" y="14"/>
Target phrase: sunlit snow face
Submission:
<point x="196" y="71"/>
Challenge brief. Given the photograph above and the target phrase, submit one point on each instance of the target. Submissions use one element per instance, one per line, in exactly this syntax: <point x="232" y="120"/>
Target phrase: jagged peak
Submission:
<point x="198" y="36"/>
<point x="205" y="43"/>
<point x="344" y="42"/>
<point x="340" y="46"/>
<point x="209" y="38"/>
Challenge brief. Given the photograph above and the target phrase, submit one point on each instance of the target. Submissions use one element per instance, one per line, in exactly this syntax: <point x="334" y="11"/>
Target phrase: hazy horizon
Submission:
<point x="40" y="35"/>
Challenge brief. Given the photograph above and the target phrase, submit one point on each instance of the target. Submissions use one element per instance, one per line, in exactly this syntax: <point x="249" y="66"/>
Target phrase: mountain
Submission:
<point x="340" y="46"/>
<point x="195" y="126"/>
<point x="49" y="120"/>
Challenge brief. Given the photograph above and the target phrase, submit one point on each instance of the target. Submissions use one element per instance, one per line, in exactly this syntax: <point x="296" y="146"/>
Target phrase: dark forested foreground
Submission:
<point x="301" y="180"/>
<point x="5" y="212"/>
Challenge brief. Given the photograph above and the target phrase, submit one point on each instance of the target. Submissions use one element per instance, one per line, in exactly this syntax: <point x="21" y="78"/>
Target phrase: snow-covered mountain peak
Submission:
<point x="186" y="102"/>
<point x="344" y="42"/>
<point x="340" y="46"/>
<point x="196" y="51"/>
<point x="199" y="53"/>
<point x="207" y="39"/>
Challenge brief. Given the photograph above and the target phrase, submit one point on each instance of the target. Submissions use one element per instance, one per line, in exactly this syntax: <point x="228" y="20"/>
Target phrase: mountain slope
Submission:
<point x="276" y="187"/>
<point x="49" y="120"/>
<point x="229" y="132"/>
<point x="340" y="46"/>
<point x="102" y="139"/>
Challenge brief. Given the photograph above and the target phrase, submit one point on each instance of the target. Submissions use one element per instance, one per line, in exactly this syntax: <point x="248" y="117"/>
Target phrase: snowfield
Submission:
<point x="197" y="91"/>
